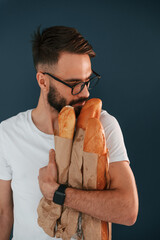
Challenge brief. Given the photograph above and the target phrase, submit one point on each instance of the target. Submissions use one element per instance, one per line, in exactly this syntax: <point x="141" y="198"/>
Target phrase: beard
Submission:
<point x="57" y="101"/>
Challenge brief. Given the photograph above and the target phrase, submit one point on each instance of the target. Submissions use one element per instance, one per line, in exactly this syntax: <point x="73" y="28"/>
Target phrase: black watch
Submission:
<point x="59" y="195"/>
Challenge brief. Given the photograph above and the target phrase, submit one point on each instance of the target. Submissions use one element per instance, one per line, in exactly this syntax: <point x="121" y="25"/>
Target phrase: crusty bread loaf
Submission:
<point x="66" y="122"/>
<point x="63" y="127"/>
<point x="91" y="109"/>
<point x="94" y="142"/>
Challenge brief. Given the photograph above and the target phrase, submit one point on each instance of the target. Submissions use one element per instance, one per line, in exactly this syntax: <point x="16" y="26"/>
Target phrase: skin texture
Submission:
<point x="48" y="177"/>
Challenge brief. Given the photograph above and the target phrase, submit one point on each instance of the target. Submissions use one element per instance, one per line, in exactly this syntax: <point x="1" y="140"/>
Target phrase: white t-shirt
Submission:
<point x="24" y="149"/>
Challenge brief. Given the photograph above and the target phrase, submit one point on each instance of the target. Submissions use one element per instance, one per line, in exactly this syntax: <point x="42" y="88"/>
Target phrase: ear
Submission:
<point x="43" y="82"/>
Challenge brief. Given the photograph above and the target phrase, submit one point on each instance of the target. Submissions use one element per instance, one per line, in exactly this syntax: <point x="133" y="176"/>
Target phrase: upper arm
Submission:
<point x="6" y="203"/>
<point x="122" y="179"/>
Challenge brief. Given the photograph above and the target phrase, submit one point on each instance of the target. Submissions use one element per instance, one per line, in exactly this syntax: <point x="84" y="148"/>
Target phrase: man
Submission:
<point x="64" y="74"/>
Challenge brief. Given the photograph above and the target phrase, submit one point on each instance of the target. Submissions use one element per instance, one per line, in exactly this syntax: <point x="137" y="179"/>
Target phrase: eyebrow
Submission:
<point x="77" y="79"/>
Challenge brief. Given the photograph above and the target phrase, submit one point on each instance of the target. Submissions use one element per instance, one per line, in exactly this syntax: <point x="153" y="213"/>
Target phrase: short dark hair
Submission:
<point x="48" y="44"/>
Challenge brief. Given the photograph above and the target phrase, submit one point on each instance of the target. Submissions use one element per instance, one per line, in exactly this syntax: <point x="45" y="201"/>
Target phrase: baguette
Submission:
<point x="63" y="142"/>
<point x="66" y="122"/>
<point x="71" y="219"/>
<point x="63" y="126"/>
<point x="94" y="142"/>
<point x="92" y="109"/>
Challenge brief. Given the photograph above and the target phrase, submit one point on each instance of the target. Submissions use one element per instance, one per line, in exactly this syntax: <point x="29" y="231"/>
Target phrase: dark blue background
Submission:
<point x="126" y="38"/>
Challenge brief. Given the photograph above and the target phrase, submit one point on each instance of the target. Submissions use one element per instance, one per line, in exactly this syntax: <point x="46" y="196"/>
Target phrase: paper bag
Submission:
<point x="69" y="225"/>
<point x="49" y="212"/>
<point x="92" y="227"/>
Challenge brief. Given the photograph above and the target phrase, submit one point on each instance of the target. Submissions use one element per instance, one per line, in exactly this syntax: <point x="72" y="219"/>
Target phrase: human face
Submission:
<point x="69" y="67"/>
<point x="57" y="101"/>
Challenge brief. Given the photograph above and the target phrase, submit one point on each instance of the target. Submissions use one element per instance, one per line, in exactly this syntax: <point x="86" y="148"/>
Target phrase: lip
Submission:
<point x="79" y="104"/>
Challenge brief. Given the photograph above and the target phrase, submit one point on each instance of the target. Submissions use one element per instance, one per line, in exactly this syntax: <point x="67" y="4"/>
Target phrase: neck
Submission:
<point x="44" y="116"/>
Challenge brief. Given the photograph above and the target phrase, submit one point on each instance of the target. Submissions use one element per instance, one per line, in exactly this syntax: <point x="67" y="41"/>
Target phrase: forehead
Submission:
<point x="73" y="65"/>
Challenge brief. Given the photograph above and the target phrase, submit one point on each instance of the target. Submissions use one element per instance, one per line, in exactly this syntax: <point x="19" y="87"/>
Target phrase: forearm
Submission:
<point x="6" y="223"/>
<point x="108" y="205"/>
<point x="118" y="205"/>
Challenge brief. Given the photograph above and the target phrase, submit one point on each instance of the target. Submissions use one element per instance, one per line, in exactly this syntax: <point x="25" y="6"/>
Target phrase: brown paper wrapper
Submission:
<point x="92" y="227"/>
<point x="90" y="161"/>
<point x="63" y="148"/>
<point x="49" y="212"/>
<point x="70" y="218"/>
<point x="75" y="169"/>
<point x="69" y="225"/>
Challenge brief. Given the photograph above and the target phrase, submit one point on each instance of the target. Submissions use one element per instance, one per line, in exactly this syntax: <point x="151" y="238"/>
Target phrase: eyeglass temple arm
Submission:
<point x="99" y="76"/>
<point x="57" y="79"/>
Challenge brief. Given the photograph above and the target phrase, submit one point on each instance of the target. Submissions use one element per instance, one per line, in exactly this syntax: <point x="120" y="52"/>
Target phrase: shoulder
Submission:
<point x="14" y="122"/>
<point x="107" y="120"/>
<point x="114" y="138"/>
<point x="111" y="126"/>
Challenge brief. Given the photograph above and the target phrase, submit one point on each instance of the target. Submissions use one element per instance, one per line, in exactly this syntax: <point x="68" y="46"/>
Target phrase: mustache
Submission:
<point x="80" y="100"/>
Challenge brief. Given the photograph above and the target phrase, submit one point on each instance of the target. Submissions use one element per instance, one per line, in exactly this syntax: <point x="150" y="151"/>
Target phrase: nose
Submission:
<point x="84" y="93"/>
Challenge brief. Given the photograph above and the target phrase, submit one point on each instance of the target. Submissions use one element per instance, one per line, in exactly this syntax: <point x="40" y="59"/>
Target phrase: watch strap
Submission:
<point x="59" y="195"/>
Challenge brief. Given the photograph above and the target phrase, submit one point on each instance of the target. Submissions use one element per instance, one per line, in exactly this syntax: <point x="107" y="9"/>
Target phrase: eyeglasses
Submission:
<point x="78" y="87"/>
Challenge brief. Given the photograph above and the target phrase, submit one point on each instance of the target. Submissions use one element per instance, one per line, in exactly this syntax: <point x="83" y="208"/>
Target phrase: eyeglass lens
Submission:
<point x="90" y="84"/>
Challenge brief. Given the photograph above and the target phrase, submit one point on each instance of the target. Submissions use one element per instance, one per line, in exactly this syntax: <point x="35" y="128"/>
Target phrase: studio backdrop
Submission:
<point x="126" y="38"/>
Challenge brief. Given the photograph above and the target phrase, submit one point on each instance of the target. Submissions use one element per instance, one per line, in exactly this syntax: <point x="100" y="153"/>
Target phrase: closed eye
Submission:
<point x="73" y="83"/>
<point x="76" y="81"/>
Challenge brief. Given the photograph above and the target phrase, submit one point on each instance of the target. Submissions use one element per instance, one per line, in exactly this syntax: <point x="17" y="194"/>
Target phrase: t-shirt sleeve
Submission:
<point x="114" y="138"/>
<point x="5" y="170"/>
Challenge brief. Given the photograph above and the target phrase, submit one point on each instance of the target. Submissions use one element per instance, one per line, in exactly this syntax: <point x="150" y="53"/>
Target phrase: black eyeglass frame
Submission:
<point x="82" y="83"/>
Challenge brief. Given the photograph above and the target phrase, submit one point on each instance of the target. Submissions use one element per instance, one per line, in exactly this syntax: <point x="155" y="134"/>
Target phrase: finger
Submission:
<point x="51" y="157"/>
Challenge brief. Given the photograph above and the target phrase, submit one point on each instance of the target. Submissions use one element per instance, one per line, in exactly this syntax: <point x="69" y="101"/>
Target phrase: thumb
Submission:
<point x="52" y="167"/>
<point x="51" y="157"/>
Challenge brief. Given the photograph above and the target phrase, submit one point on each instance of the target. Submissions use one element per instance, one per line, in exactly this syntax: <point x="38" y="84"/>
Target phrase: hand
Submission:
<point x="48" y="177"/>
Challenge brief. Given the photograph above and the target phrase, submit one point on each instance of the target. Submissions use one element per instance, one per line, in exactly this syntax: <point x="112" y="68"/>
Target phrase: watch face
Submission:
<point x="59" y="195"/>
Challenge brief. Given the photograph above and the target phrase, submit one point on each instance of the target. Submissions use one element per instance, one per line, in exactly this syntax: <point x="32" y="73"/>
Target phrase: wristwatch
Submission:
<point x="59" y="195"/>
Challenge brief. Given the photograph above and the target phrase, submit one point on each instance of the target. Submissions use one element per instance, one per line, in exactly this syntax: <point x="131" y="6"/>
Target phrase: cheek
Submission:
<point x="66" y="93"/>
